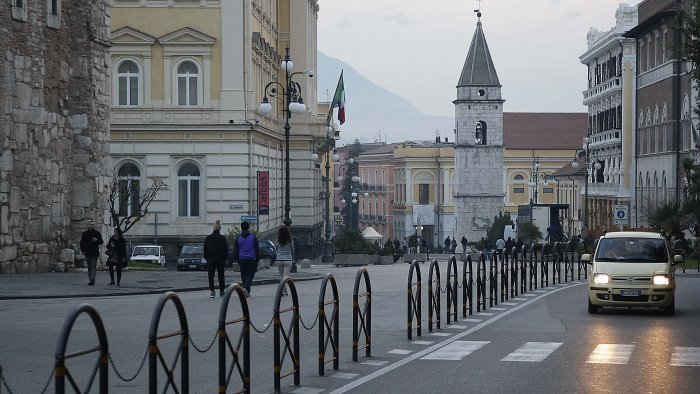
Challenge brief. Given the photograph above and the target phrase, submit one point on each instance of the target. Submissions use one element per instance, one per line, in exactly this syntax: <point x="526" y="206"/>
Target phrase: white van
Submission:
<point x="631" y="269"/>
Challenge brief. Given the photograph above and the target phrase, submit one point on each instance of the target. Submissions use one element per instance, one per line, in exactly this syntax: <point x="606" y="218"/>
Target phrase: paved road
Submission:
<point x="543" y="340"/>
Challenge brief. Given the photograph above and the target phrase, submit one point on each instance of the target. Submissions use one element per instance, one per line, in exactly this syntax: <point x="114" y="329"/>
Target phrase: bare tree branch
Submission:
<point x="128" y="204"/>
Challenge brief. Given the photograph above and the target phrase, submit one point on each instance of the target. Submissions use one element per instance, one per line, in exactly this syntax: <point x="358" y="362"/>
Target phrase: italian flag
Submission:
<point x="339" y="99"/>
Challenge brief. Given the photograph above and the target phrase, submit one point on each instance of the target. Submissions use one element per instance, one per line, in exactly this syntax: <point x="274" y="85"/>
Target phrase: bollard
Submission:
<point x="154" y="354"/>
<point x="291" y="335"/>
<point x="433" y="300"/>
<point x="332" y="324"/>
<point x="493" y="280"/>
<point x="504" y="276"/>
<point x="362" y="320"/>
<point x="240" y="360"/>
<point x="467" y="287"/>
<point x="414" y="300"/>
<point x="61" y="371"/>
<point x="452" y="282"/>
<point x="481" y="283"/>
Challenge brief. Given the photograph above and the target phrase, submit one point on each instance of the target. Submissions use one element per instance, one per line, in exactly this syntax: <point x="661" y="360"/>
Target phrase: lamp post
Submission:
<point x="349" y="194"/>
<point x="327" y="144"/>
<point x="534" y="180"/>
<point x="586" y="152"/>
<point x="417" y="227"/>
<point x="292" y="103"/>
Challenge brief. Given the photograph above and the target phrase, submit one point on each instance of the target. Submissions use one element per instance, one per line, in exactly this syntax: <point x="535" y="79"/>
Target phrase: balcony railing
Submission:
<point x="598" y="91"/>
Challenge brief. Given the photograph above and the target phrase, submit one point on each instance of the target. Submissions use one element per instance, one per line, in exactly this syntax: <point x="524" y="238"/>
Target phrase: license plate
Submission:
<point x="629" y="293"/>
<point x="193" y="266"/>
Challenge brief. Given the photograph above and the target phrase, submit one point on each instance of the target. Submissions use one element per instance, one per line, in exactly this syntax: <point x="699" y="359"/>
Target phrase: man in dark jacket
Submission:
<point x="215" y="252"/>
<point x="247" y="254"/>
<point x="464" y="244"/>
<point x="90" y="243"/>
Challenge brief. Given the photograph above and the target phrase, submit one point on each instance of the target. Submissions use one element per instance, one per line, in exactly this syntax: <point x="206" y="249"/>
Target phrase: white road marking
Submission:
<point x="457" y="326"/>
<point x="533" y="352"/>
<point x="527" y="295"/>
<point x="455" y="351"/>
<point x="498" y="309"/>
<point x="519" y="299"/>
<point x="419" y="354"/>
<point x="540" y="291"/>
<point x="441" y="334"/>
<point x="345" y="375"/>
<point x="376" y="363"/>
<point x="509" y="303"/>
<point x="472" y="320"/>
<point x="611" y="353"/>
<point x="422" y="342"/>
<point x="485" y="314"/>
<point x="400" y="351"/>
<point x="307" y="390"/>
<point x="685" y="356"/>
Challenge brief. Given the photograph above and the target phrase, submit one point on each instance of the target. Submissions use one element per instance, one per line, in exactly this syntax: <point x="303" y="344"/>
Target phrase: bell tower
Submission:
<point x="479" y="142"/>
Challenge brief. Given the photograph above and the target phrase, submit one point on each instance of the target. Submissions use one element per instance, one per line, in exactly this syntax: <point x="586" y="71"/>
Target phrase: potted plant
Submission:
<point x="386" y="255"/>
<point x="351" y="249"/>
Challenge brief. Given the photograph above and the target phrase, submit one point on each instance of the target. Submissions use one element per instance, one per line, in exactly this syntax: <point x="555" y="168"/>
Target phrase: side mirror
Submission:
<point x="677" y="259"/>
<point x="586" y="257"/>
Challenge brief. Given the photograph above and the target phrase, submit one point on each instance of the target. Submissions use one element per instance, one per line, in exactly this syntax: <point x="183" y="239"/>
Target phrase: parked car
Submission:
<point x="631" y="269"/>
<point x="267" y="250"/>
<point x="148" y="254"/>
<point x="191" y="257"/>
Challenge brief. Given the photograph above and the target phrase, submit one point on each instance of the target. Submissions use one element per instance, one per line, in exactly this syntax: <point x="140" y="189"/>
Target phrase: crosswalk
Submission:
<point x="535" y="352"/>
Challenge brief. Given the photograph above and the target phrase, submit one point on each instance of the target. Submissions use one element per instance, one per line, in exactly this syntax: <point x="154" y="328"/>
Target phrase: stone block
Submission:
<point x="8" y="253"/>
<point x="27" y="248"/>
<point x="58" y="267"/>
<point x="42" y="248"/>
<point x="67" y="256"/>
<point x="43" y="263"/>
<point x="79" y="121"/>
<point x="6" y="160"/>
<point x="36" y="115"/>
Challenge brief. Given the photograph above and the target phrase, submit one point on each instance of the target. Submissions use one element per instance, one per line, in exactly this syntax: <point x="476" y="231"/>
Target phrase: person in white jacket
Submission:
<point x="285" y="252"/>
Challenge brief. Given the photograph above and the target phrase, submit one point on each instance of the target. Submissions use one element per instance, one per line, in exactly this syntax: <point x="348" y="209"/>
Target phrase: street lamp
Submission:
<point x="535" y="176"/>
<point x="586" y="152"/>
<point x="349" y="192"/>
<point x="327" y="144"/>
<point x="292" y="103"/>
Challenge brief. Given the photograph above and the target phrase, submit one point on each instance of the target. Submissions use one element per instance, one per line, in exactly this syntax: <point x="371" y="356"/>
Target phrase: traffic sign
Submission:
<point x="244" y="218"/>
<point x="621" y="215"/>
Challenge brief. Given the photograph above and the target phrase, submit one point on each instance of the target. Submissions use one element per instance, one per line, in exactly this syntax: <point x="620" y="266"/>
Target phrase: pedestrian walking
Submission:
<point x="215" y="252"/>
<point x="447" y="244"/>
<point x="404" y="245"/>
<point x="247" y="253"/>
<point x="116" y="250"/>
<point x="285" y="252"/>
<point x="500" y="245"/>
<point x="90" y="242"/>
<point x="509" y="246"/>
<point x="397" y="246"/>
<point x="453" y="246"/>
<point x="464" y="244"/>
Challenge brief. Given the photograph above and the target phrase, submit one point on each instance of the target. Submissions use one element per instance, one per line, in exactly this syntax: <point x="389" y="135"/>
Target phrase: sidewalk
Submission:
<point x="74" y="284"/>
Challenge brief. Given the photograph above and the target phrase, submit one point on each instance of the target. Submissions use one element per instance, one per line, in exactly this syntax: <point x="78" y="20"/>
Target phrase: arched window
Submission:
<point x="128" y="79"/>
<point x="187" y="84"/>
<point x="188" y="190"/>
<point x="129" y="193"/>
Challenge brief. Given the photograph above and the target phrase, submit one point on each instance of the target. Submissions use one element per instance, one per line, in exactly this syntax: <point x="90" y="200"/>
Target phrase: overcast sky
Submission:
<point x="416" y="48"/>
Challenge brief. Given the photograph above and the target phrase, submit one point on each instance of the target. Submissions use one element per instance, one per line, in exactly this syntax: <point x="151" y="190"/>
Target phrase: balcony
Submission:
<point x="603" y="189"/>
<point x="599" y="91"/>
<point x="604" y="139"/>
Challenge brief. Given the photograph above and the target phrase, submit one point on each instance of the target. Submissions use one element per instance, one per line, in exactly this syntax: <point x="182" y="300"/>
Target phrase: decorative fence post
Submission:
<point x="362" y="319"/>
<point x="452" y="282"/>
<point x="433" y="300"/>
<point x="240" y="359"/>
<point x="414" y="300"/>
<point x="291" y="335"/>
<point x="332" y="324"/>
<point x="182" y="353"/>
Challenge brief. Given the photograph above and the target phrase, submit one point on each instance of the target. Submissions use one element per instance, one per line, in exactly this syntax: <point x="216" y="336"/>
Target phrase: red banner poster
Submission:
<point x="263" y="193"/>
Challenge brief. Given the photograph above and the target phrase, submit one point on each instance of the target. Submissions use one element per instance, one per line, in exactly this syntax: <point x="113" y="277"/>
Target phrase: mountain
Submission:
<point x="371" y="109"/>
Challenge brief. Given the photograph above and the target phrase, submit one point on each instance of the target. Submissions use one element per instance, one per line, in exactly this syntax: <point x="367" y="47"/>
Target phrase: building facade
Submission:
<point x="610" y="61"/>
<point x="188" y="80"/>
<point x="664" y="102"/>
<point x="479" y="144"/>
<point x="376" y="172"/>
<point x="54" y="162"/>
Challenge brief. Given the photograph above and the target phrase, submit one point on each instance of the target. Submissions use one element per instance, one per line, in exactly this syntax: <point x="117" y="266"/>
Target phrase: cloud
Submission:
<point x="344" y="24"/>
<point x="397" y="17"/>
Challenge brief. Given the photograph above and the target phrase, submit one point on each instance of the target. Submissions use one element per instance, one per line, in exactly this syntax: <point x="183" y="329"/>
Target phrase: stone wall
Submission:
<point x="54" y="163"/>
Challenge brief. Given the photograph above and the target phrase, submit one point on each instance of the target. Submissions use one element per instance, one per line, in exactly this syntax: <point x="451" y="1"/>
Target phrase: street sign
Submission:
<point x="249" y="218"/>
<point x="621" y="215"/>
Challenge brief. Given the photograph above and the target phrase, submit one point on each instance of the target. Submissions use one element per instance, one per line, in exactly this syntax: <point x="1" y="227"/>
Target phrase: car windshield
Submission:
<point x="146" y="251"/>
<point x="651" y="250"/>
<point x="193" y="249"/>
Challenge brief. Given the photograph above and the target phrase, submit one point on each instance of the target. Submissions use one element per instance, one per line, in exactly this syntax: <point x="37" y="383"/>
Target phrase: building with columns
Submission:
<point x="610" y="98"/>
<point x="479" y="143"/>
<point x="188" y="80"/>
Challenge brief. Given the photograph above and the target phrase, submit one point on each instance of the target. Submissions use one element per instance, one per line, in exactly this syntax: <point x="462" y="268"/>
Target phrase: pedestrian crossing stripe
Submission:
<point x="400" y="351"/>
<point x="422" y="342"/>
<point x="540" y="291"/>
<point x="441" y="334"/>
<point x="498" y="309"/>
<point x="455" y="351"/>
<point x="685" y="356"/>
<point x="472" y="320"/>
<point x="527" y="295"/>
<point x="485" y="314"/>
<point x="533" y="352"/>
<point x="611" y="353"/>
<point x="457" y="326"/>
<point x="509" y="303"/>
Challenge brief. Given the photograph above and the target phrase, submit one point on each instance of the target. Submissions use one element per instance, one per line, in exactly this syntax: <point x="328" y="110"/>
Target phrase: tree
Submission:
<point x="351" y="241"/>
<point x="530" y="232"/>
<point x="128" y="203"/>
<point x="495" y="232"/>
<point x="667" y="217"/>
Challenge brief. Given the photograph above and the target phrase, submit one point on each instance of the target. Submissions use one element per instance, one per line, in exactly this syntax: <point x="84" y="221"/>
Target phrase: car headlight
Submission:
<point x="601" y="279"/>
<point x="661" y="280"/>
<point x="180" y="261"/>
<point x="204" y="261"/>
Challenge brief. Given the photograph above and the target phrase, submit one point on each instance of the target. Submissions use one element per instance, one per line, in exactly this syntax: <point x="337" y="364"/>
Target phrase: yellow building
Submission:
<point x="188" y="80"/>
